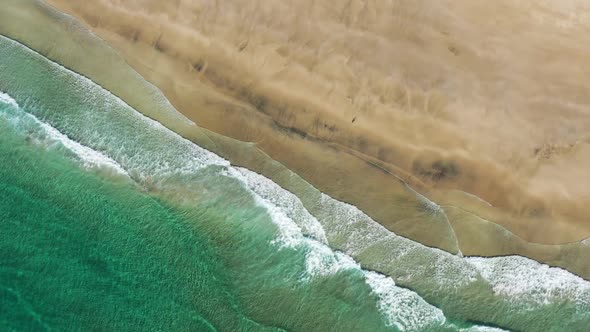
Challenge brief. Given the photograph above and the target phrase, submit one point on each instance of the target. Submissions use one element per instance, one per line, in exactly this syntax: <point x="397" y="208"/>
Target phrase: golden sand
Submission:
<point x="353" y="99"/>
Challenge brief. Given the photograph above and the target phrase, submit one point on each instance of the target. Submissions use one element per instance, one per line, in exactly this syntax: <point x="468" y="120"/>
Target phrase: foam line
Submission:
<point x="48" y="136"/>
<point x="7" y="99"/>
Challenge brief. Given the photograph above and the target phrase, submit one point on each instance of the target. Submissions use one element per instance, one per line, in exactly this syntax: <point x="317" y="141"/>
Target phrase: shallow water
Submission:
<point x="111" y="221"/>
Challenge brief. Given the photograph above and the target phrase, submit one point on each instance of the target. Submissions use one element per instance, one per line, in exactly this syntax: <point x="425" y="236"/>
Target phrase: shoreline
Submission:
<point x="341" y="225"/>
<point x="248" y="158"/>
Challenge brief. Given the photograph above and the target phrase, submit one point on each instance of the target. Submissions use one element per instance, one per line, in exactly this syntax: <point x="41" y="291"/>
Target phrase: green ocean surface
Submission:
<point x="111" y="222"/>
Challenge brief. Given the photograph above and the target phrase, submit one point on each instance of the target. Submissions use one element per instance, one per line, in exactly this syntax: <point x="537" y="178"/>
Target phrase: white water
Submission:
<point x="6" y="99"/>
<point x="481" y="329"/>
<point x="90" y="157"/>
<point x="538" y="284"/>
<point x="395" y="302"/>
<point x="45" y="135"/>
<point x="402" y="308"/>
<point x="513" y="277"/>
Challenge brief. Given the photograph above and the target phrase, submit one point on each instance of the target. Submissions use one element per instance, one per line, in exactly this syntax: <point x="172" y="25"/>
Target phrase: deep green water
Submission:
<point x="109" y="221"/>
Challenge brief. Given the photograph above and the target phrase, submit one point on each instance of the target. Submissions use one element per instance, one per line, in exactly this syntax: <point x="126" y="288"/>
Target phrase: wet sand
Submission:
<point x="358" y="160"/>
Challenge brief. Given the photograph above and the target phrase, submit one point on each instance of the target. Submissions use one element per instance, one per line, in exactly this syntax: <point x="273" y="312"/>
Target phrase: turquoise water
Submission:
<point x="109" y="221"/>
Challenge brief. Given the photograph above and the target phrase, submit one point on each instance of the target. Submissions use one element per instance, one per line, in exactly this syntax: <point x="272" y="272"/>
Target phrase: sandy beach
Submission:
<point x="487" y="123"/>
<point x="437" y="93"/>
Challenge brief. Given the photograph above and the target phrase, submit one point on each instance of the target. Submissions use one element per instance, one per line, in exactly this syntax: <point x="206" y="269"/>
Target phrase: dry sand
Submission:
<point x="351" y="104"/>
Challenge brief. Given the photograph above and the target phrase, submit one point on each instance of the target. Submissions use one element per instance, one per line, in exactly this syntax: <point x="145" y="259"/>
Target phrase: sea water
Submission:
<point x="110" y="221"/>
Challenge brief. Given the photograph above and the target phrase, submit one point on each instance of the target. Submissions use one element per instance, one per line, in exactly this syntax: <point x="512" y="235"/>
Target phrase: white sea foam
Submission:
<point x="360" y="231"/>
<point x="48" y="136"/>
<point x="285" y="200"/>
<point x="527" y="281"/>
<point x="89" y="157"/>
<point x="186" y="157"/>
<point x="321" y="260"/>
<point x="158" y="152"/>
<point x="394" y="303"/>
<point x="6" y="99"/>
<point x="284" y="208"/>
<point x="518" y="283"/>
<point x="401" y="308"/>
<point x="352" y="231"/>
<point x="482" y="329"/>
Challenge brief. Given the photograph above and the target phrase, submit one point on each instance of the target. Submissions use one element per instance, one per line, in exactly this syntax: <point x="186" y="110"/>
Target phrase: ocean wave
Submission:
<point x="289" y="203"/>
<point x="511" y="286"/>
<point x="394" y="303"/>
<point x="45" y="135"/>
<point x="481" y="329"/>
<point x="6" y="99"/>
<point x="532" y="283"/>
<point x="155" y="152"/>
<point x="402" y="308"/>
